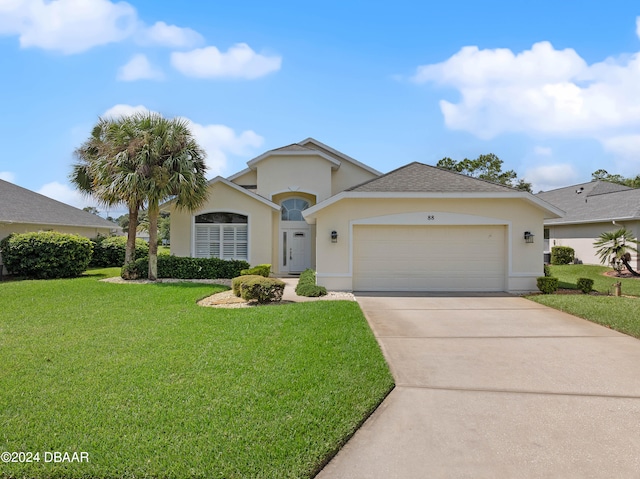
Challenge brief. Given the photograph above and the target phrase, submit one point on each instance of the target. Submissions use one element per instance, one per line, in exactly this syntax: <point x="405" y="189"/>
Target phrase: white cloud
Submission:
<point x="638" y="26"/>
<point x="119" y="110"/>
<point x="139" y="68"/>
<point x="219" y="141"/>
<point x="541" y="91"/>
<point x="542" y="151"/>
<point x="240" y="61"/>
<point x="549" y="177"/>
<point x="7" y="176"/>
<point x="68" y="26"/>
<point x="66" y="194"/>
<point x="170" y="36"/>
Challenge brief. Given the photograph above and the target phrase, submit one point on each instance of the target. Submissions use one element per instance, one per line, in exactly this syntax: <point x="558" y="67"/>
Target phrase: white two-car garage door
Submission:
<point x="429" y="258"/>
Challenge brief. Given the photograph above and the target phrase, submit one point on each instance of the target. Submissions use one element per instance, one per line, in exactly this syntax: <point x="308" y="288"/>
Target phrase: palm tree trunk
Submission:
<point x="130" y="251"/>
<point x="154" y="212"/>
<point x="628" y="266"/>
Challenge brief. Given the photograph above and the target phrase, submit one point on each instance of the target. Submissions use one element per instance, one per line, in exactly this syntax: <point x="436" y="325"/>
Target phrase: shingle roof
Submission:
<point x="19" y="205"/>
<point x="420" y="178"/>
<point x="292" y="147"/>
<point x="594" y="201"/>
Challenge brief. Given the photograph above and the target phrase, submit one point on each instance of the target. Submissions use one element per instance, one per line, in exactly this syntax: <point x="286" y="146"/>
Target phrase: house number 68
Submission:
<point x="431" y="217"/>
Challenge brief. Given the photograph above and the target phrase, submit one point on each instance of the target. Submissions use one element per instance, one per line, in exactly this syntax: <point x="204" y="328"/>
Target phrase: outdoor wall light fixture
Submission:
<point x="528" y="237"/>
<point x="334" y="236"/>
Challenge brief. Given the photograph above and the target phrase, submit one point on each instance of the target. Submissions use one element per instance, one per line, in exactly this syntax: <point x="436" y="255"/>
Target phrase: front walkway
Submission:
<point x="496" y="386"/>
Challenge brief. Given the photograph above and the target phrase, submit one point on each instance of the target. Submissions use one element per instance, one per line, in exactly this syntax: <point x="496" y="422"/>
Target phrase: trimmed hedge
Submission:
<point x="585" y="285"/>
<point x="547" y="284"/>
<point x="562" y="255"/>
<point x="261" y="289"/>
<point x="47" y="254"/>
<point x="110" y="251"/>
<point x="261" y="270"/>
<point x="185" y="268"/>
<point x="236" y="283"/>
<point x="307" y="285"/>
<point x="547" y="270"/>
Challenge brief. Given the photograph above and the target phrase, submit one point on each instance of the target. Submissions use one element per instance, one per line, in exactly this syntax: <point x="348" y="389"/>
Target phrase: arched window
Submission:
<point x="292" y="209"/>
<point x="222" y="235"/>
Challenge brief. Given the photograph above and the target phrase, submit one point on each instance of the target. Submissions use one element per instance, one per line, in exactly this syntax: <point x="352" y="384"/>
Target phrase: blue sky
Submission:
<point x="552" y="88"/>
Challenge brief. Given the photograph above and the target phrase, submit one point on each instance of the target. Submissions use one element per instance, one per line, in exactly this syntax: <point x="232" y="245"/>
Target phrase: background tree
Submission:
<point x="613" y="248"/>
<point x="107" y="170"/>
<point x="91" y="209"/>
<point x="604" y="175"/>
<point x="486" y="167"/>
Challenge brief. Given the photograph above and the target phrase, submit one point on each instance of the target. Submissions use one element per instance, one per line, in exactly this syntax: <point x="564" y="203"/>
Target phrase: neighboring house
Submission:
<point x="420" y="228"/>
<point x="590" y="210"/>
<point x="23" y="211"/>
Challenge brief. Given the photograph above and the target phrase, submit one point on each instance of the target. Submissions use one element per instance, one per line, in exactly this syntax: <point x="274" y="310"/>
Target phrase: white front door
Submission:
<point x="296" y="249"/>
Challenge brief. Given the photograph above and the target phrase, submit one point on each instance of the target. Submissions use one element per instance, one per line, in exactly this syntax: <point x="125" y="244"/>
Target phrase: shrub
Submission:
<point x="547" y="284"/>
<point x="110" y="251"/>
<point x="185" y="268"/>
<point x="236" y="283"/>
<point x="261" y="270"/>
<point x="562" y="255"/>
<point x="585" y="285"/>
<point x="307" y="285"/>
<point x="547" y="270"/>
<point x="47" y="254"/>
<point x="262" y="290"/>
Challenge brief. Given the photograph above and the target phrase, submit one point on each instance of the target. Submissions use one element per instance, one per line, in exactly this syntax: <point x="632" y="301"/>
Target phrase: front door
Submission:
<point x="296" y="246"/>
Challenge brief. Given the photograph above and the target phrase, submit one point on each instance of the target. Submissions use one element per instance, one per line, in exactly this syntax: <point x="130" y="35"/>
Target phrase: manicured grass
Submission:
<point x="152" y="385"/>
<point x="568" y="276"/>
<point x="619" y="313"/>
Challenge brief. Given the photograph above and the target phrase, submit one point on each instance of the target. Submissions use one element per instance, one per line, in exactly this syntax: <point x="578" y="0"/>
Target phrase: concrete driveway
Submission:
<point x="496" y="386"/>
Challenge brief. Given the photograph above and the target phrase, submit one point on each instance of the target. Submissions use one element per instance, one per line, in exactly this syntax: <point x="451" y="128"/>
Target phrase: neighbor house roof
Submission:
<point x="594" y="202"/>
<point x="417" y="180"/>
<point x="20" y="205"/>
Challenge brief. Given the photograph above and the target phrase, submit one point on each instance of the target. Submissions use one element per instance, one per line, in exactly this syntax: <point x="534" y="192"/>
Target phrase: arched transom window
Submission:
<point x="221" y="235"/>
<point x="292" y="209"/>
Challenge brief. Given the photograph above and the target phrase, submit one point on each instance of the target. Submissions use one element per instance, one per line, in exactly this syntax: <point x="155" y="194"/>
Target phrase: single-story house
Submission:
<point x="421" y="228"/>
<point x="24" y="211"/>
<point x="590" y="210"/>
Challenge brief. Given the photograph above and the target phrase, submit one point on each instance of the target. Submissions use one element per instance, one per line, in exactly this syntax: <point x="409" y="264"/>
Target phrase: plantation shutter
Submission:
<point x="226" y="241"/>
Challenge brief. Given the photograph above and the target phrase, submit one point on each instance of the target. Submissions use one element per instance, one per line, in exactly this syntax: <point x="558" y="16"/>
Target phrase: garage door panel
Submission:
<point x="429" y="258"/>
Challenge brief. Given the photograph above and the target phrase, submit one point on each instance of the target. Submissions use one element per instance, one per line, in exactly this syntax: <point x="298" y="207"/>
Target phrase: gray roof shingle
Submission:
<point x="19" y="205"/>
<point x="594" y="201"/>
<point x="420" y="178"/>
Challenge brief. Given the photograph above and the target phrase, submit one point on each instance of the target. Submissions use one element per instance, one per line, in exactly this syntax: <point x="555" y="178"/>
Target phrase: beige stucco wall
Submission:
<point x="306" y="173"/>
<point x="349" y="175"/>
<point x="225" y="198"/>
<point x="580" y="237"/>
<point x="334" y="264"/>
<point x="249" y="178"/>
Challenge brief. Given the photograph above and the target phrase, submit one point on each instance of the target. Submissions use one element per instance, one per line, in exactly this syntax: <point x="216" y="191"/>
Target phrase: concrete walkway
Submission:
<point x="496" y="386"/>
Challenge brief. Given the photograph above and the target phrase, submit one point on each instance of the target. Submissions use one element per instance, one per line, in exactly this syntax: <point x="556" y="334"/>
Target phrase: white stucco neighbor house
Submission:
<point x="419" y="228"/>
<point x="590" y="210"/>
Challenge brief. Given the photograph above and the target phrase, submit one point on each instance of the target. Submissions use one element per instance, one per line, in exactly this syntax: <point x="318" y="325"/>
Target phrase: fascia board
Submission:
<point x="551" y="210"/>
<point x="335" y="164"/>
<point x="340" y="154"/>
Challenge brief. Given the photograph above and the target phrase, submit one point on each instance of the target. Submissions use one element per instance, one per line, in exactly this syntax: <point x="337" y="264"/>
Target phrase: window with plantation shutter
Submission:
<point x="221" y="235"/>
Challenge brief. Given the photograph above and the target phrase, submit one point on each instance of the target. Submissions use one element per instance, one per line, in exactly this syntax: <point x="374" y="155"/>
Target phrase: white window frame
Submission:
<point x="229" y="241"/>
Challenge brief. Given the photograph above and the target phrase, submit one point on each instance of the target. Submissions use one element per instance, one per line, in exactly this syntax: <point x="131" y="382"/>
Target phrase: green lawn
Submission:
<point x="619" y="313"/>
<point x="152" y="385"/>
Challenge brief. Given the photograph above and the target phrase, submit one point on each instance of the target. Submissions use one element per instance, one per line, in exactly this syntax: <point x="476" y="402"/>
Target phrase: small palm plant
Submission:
<point x="613" y="248"/>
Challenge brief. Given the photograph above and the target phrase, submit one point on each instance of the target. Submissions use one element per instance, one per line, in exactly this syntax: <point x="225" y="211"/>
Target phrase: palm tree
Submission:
<point x="107" y="170"/>
<point x="172" y="166"/>
<point x="613" y="247"/>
